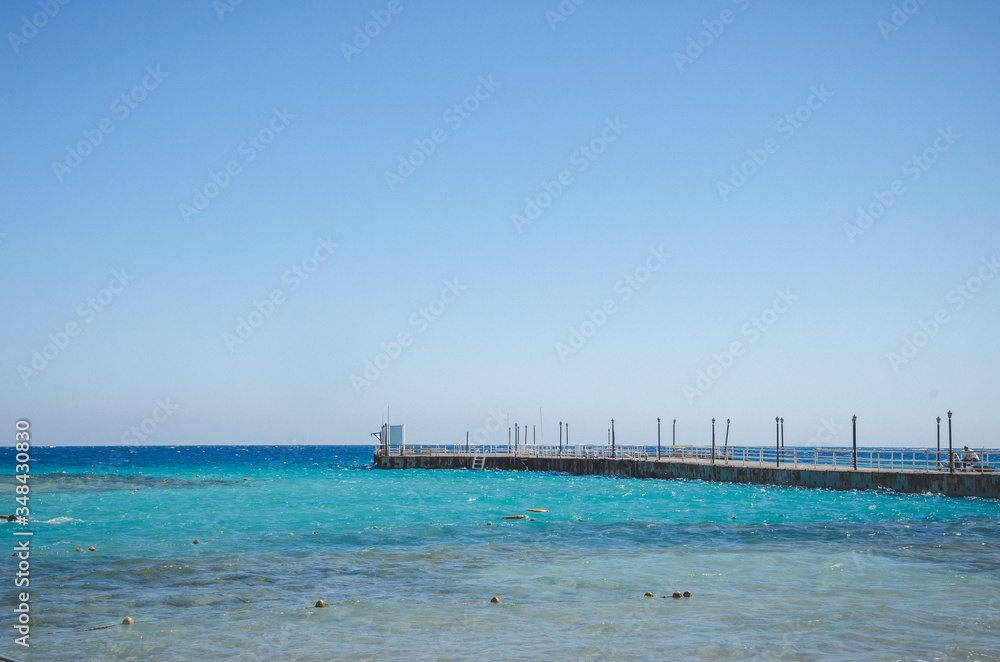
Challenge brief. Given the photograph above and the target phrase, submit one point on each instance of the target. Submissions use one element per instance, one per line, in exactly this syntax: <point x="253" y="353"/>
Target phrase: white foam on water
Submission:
<point x="61" y="520"/>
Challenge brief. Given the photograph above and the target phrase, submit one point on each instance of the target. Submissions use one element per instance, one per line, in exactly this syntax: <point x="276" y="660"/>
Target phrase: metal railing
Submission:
<point x="896" y="459"/>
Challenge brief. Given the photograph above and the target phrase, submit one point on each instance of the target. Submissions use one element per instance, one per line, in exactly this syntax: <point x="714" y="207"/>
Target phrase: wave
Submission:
<point x="61" y="520"/>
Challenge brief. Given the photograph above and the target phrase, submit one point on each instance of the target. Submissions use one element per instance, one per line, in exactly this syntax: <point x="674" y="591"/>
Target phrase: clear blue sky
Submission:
<point x="310" y="128"/>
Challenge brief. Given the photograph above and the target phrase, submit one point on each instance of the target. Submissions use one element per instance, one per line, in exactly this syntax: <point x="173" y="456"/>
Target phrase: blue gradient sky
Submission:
<point x="494" y="347"/>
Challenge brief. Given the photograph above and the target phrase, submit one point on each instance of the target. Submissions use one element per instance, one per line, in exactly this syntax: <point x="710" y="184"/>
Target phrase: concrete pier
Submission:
<point x="975" y="483"/>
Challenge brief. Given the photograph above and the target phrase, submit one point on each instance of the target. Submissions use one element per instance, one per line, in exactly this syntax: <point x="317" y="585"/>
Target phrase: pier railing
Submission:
<point x="901" y="459"/>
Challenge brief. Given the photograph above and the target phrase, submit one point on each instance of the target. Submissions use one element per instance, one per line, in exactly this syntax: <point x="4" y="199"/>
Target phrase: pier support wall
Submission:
<point x="957" y="484"/>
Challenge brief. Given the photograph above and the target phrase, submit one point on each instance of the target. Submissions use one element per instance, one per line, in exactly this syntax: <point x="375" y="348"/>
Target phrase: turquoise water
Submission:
<point x="797" y="575"/>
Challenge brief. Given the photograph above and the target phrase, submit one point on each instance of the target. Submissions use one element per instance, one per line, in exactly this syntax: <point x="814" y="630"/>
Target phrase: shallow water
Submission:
<point x="798" y="574"/>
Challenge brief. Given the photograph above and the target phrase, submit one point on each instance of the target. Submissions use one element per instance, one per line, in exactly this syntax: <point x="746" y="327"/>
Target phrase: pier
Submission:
<point x="900" y="470"/>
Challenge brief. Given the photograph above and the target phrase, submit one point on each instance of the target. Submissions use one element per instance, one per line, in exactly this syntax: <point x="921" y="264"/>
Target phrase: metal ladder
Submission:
<point x="478" y="462"/>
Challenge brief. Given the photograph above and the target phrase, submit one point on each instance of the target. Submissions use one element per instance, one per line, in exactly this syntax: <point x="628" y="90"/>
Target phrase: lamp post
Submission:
<point x="567" y="436"/>
<point x="713" y="441"/>
<point x="938" y="456"/>
<point x="673" y="441"/>
<point x="725" y="446"/>
<point x="777" y="442"/>
<point x="560" y="437"/>
<point x="782" y="434"/>
<point x="657" y="437"/>
<point x="613" y="438"/>
<point x="951" y="456"/>
<point x="854" y="436"/>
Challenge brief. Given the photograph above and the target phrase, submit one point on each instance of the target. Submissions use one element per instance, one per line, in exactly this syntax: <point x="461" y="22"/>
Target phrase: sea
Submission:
<point x="407" y="563"/>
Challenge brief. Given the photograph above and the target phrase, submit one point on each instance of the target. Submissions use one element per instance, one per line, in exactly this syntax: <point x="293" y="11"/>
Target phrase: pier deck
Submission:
<point x="904" y="470"/>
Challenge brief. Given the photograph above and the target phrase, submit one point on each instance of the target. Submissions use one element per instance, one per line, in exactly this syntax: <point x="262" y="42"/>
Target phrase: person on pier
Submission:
<point x="970" y="458"/>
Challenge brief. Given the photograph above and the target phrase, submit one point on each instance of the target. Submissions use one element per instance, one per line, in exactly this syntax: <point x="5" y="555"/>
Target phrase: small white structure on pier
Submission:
<point x="397" y="435"/>
<point x="391" y="435"/>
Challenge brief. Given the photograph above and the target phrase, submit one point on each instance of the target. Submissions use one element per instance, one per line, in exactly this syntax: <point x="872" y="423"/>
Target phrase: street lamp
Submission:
<point x="951" y="456"/>
<point x="713" y="441"/>
<point x="938" y="456"/>
<point x="657" y="437"/>
<point x="854" y="434"/>
<point x="612" y="438"/>
<point x="725" y="445"/>
<point x="777" y="441"/>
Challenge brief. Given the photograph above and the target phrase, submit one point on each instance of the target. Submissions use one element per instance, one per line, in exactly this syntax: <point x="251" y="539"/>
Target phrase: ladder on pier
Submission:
<point x="478" y="462"/>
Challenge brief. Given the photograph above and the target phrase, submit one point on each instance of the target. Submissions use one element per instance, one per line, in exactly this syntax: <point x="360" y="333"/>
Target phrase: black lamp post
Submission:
<point x="613" y="438"/>
<point x="854" y="435"/>
<point x="657" y="437"/>
<point x="725" y="445"/>
<point x="951" y="456"/>
<point x="777" y="441"/>
<point x="938" y="456"/>
<point x="713" y="441"/>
